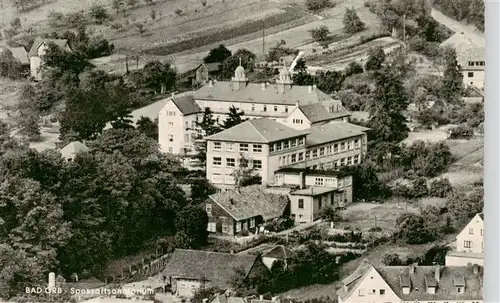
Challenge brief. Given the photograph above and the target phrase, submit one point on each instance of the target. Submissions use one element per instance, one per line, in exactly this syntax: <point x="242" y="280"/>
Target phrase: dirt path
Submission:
<point x="469" y="31"/>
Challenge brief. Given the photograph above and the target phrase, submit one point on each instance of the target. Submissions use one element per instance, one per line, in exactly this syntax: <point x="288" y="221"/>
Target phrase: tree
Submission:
<point x="9" y="66"/>
<point x="387" y="122"/>
<point x="28" y="126"/>
<point x="351" y="100"/>
<point x="15" y="23"/>
<point x="230" y="63"/>
<point x="209" y="126"/>
<point x="353" y="68"/>
<point x="330" y="81"/>
<point x="392" y="259"/>
<point x="148" y="127"/>
<point x="118" y="5"/>
<point x="234" y="118"/>
<point x="453" y="79"/>
<point x="98" y="13"/>
<point x="366" y="181"/>
<point x="141" y="27"/>
<point x="244" y="175"/>
<point x="419" y="188"/>
<point x="193" y="221"/>
<point x="320" y="34"/>
<point x="351" y="21"/>
<point x="331" y="214"/>
<point x="22" y="5"/>
<point x="464" y="204"/>
<point x="157" y="74"/>
<point x="218" y="54"/>
<point x="412" y="229"/>
<point x="376" y="57"/>
<point x="65" y="61"/>
<point x="316" y="5"/>
<point x="201" y="188"/>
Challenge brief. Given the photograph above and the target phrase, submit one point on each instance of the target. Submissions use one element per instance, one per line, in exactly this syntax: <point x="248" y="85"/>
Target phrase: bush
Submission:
<point x="178" y="12"/>
<point x="412" y="229"/>
<point x="56" y="19"/>
<point x="353" y="68"/>
<point x="440" y="188"/>
<point x="351" y="21"/>
<point x="419" y="188"/>
<point x="392" y="259"/>
<point x="426" y="159"/>
<point x="320" y="34"/>
<point x="98" y="13"/>
<point x="461" y="132"/>
<point x="316" y="5"/>
<point x="75" y="19"/>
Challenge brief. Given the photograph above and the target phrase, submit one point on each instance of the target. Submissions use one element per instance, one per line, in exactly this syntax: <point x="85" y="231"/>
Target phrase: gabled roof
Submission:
<point x="19" y="53"/>
<point x="217" y="268"/>
<point x="253" y="93"/>
<point x="449" y="278"/>
<point x="186" y="105"/>
<point x="317" y="112"/>
<point x="470" y="54"/>
<point x="211" y="67"/>
<point x="261" y="130"/>
<point x="251" y="201"/>
<point x="333" y="131"/>
<point x="73" y="148"/>
<point x="39" y="41"/>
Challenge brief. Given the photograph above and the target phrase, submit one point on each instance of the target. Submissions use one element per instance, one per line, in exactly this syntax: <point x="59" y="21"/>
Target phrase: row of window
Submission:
<point x="231" y="162"/>
<point x="287" y="144"/>
<point x="468" y="244"/>
<point x="233" y="147"/>
<point x="476" y="63"/>
<point x="335" y="199"/>
<point x="361" y="292"/>
<point x="275" y="108"/>
<point x="471" y="231"/>
<point x="334" y="148"/>
<point x="299" y="157"/>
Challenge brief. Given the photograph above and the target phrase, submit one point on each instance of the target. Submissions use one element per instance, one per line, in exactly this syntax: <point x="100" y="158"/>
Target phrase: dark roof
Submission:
<point x="19" y="53"/>
<point x="253" y="93"/>
<point x="333" y="131"/>
<point x="251" y="201"/>
<point x="449" y="278"/>
<point x="481" y="215"/>
<point x="38" y="41"/>
<point x="317" y="112"/>
<point x="261" y="130"/>
<point x="217" y="268"/>
<point x="186" y="105"/>
<point x="278" y="252"/>
<point x="212" y="67"/>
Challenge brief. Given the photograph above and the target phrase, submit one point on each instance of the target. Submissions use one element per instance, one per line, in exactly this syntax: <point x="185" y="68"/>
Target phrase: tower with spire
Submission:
<point x="239" y="80"/>
<point x="285" y="80"/>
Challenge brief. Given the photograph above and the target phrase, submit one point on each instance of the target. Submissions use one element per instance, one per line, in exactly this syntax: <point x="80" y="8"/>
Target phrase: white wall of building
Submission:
<point x="470" y="238"/>
<point x="373" y="288"/>
<point x="474" y="77"/>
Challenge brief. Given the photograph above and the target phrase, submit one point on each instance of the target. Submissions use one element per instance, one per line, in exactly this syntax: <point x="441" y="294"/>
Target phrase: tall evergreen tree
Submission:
<point x="234" y="118"/>
<point x="453" y="79"/>
<point x="209" y="126"/>
<point x="352" y="22"/>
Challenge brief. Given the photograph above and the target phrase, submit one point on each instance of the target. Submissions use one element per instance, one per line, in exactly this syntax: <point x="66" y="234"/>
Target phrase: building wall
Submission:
<point x="452" y="260"/>
<point x="297" y="120"/>
<point x="35" y="63"/>
<point x="171" y="129"/>
<point x="201" y="74"/>
<point x="217" y="216"/>
<point x="473" y="77"/>
<point x="363" y="293"/>
<point x="221" y="175"/>
<point x="302" y="215"/>
<point x="470" y="238"/>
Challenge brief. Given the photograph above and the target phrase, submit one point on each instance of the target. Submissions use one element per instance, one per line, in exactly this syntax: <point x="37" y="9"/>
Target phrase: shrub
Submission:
<point x="56" y="19"/>
<point x="353" y="68"/>
<point x="153" y="14"/>
<point x="320" y="34"/>
<point x="351" y="21"/>
<point x="141" y="27"/>
<point x="440" y="188"/>
<point x="461" y="132"/>
<point x="419" y="188"/>
<point x="316" y="5"/>
<point x="75" y="19"/>
<point x="412" y="229"/>
<point x="178" y="12"/>
<point x="98" y="13"/>
<point x="391" y="259"/>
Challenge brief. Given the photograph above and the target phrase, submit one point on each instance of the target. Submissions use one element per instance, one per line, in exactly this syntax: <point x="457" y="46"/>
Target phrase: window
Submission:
<point x="468" y="244"/>
<point x="356" y="143"/>
<point x="297" y="121"/>
<point x="252" y="222"/>
<point x="301" y="141"/>
<point x="275" y="108"/>
<point x="342" y="146"/>
<point x="321" y="151"/>
<point x="481" y="231"/>
<point x="349" y="160"/>
<point x="470" y="74"/>
<point x="257" y="164"/>
<point x="230" y="162"/>
<point x="238" y="226"/>
<point x="257" y="148"/>
<point x="211" y="227"/>
<point x="350" y="144"/>
<point x="471" y="231"/>
<point x="208" y="209"/>
<point x="342" y="162"/>
<point x="381" y="292"/>
<point x="319" y="181"/>
<point x="328" y="149"/>
<point x="301" y="203"/>
<point x="217" y="161"/>
<point x="217" y="146"/>
<point x="361" y="293"/>
<point x="293" y="142"/>
<point x="356" y="159"/>
<point x="286" y="144"/>
<point x="253" y="107"/>
<point x="460" y="290"/>
<point x="286" y="109"/>
<point x="314" y="153"/>
<point x="229" y="146"/>
<point x="301" y="156"/>
<point x="272" y="147"/>
<point x="243" y="147"/>
<point x="225" y="228"/>
<point x="171" y="138"/>
<point x="335" y="148"/>
<point x="264" y="108"/>
<point x="293" y="158"/>
<point x="216" y="178"/>
<point x="278" y="146"/>
<point x="170" y="123"/>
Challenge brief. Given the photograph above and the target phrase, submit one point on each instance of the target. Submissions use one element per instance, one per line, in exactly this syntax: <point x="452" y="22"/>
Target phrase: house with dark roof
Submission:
<point x="38" y="50"/>
<point x="190" y="270"/>
<point x="469" y="244"/>
<point x="206" y="72"/>
<point x="177" y="125"/>
<point x="308" y="115"/>
<point x="398" y="284"/>
<point x="243" y="210"/>
<point x="19" y="53"/>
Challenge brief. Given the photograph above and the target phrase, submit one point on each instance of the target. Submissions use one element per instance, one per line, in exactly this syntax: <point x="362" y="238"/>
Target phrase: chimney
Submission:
<point x="412" y="268"/>
<point x="232" y="251"/>
<point x="475" y="269"/>
<point x="310" y="89"/>
<point x="210" y="83"/>
<point x="297" y="104"/>
<point x="437" y="273"/>
<point x="314" y="87"/>
<point x="261" y="297"/>
<point x="267" y="84"/>
<point x="52" y="280"/>
<point x="173" y="95"/>
<point x="302" y="180"/>
<point x="263" y="86"/>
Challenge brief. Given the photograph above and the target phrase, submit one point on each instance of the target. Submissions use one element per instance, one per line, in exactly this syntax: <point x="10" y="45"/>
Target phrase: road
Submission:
<point x="469" y="31"/>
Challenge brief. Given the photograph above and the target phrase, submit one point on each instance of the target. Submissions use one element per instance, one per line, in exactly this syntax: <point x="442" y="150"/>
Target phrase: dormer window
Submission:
<point x="431" y="290"/>
<point x="406" y="290"/>
<point x="460" y="290"/>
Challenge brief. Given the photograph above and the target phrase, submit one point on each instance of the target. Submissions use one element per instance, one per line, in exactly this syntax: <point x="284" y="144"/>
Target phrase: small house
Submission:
<point x="469" y="248"/>
<point x="242" y="210"/>
<point x="205" y="72"/>
<point x="38" y="50"/>
<point x="69" y="151"/>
